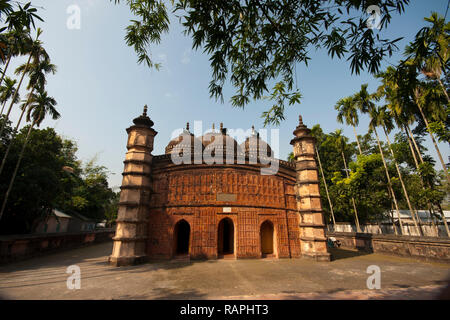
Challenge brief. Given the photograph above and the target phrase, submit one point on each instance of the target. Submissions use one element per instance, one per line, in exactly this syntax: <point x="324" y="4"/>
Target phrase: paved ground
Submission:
<point x="345" y="278"/>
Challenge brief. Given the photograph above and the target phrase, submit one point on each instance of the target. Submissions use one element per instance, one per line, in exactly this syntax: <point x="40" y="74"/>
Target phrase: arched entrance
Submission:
<point x="225" y="237"/>
<point x="266" y="232"/>
<point x="181" y="234"/>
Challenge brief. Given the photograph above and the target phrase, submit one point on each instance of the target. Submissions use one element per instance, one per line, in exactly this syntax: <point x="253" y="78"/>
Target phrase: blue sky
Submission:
<point x="100" y="87"/>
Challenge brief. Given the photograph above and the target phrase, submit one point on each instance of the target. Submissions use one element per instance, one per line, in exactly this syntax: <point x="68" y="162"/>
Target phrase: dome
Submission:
<point x="254" y="143"/>
<point x="184" y="141"/>
<point x="213" y="141"/>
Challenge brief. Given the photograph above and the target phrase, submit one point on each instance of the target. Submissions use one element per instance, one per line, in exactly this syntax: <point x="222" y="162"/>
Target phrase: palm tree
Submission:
<point x="375" y="121"/>
<point x="402" y="84"/>
<point x="347" y="108"/>
<point x="429" y="51"/>
<point x="396" y="98"/>
<point x="37" y="74"/>
<point x="444" y="219"/>
<point x="400" y="104"/>
<point x="340" y="143"/>
<point x="316" y="134"/>
<point x="387" y="125"/>
<point x="41" y="104"/>
<point x="419" y="98"/>
<point x="36" y="50"/>
<point x="7" y="90"/>
<point x="326" y="187"/>
<point x="16" y="42"/>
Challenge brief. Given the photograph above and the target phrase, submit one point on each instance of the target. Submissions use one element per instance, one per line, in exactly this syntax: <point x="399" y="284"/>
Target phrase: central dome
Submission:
<point x="219" y="142"/>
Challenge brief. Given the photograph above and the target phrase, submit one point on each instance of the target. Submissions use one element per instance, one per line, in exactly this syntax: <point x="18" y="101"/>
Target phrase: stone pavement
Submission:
<point x="344" y="278"/>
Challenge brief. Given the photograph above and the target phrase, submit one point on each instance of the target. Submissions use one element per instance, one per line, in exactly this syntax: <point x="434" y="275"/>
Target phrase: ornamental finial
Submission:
<point x="300" y="120"/>
<point x="187" y="126"/>
<point x="145" y="111"/>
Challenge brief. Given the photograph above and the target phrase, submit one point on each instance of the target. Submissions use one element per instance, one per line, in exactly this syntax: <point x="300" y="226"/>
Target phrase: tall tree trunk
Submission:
<point x="15" y="94"/>
<point x="421" y="180"/>
<point x="415" y="143"/>
<point x="394" y="198"/>
<point x="25" y="106"/>
<point x="357" y="140"/>
<point x="358" y="228"/>
<point x="421" y="161"/>
<point x="326" y="189"/>
<point x="6" y="68"/>
<point x="15" y="131"/>
<point x="443" y="89"/>
<point x="5" y="200"/>
<point x="3" y="107"/>
<point x="434" y="141"/>
<point x="391" y="215"/>
<point x="412" y="150"/>
<point x="444" y="218"/>
<point x="401" y="181"/>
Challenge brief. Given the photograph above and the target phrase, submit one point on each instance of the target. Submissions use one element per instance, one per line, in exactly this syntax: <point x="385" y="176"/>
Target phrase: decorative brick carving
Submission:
<point x="278" y="215"/>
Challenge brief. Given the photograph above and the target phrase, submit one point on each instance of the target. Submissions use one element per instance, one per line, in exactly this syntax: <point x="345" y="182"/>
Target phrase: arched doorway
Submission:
<point x="266" y="232"/>
<point x="225" y="243"/>
<point x="181" y="234"/>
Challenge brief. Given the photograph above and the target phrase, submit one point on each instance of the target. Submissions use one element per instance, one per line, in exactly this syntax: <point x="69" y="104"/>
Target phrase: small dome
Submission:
<point x="253" y="144"/>
<point x="219" y="141"/>
<point x="184" y="141"/>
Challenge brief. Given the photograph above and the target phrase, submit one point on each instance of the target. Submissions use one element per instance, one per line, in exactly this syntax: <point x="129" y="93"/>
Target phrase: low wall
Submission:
<point x="409" y="228"/>
<point x="425" y="248"/>
<point x="18" y="247"/>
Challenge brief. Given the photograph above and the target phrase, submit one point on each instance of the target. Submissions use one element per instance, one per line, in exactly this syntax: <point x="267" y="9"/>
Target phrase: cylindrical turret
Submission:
<point x="312" y="227"/>
<point x="131" y="233"/>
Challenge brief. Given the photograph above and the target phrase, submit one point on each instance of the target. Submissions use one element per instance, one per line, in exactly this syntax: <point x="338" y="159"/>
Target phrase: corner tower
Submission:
<point x="312" y="228"/>
<point x="131" y="233"/>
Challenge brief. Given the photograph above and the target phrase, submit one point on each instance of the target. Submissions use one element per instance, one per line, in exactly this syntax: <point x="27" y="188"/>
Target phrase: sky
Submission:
<point x="100" y="87"/>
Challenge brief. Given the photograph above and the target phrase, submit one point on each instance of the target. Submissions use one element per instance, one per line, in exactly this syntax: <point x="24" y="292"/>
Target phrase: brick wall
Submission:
<point x="426" y="248"/>
<point x="18" y="247"/>
<point x="203" y="195"/>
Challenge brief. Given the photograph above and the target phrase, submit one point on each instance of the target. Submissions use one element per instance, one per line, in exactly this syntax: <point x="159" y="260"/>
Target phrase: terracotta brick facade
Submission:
<point x="190" y="192"/>
<point x="215" y="210"/>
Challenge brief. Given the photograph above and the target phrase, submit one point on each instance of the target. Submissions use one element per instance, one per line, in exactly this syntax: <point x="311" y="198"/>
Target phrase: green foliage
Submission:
<point x="367" y="185"/>
<point x="441" y="128"/>
<point x="50" y="176"/>
<point x="18" y="17"/>
<point x="111" y="209"/>
<point x="290" y="157"/>
<point x="255" y="43"/>
<point x="37" y="181"/>
<point x="367" y="181"/>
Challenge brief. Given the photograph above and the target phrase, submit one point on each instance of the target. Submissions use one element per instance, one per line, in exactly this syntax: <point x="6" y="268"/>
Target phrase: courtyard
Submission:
<point x="345" y="277"/>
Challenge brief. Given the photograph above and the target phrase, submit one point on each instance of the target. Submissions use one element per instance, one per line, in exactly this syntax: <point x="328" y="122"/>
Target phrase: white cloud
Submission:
<point x="186" y="58"/>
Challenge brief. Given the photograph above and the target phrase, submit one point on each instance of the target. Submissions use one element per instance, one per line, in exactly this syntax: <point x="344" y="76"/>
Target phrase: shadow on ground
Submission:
<point x="96" y="257"/>
<point x="339" y="253"/>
